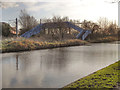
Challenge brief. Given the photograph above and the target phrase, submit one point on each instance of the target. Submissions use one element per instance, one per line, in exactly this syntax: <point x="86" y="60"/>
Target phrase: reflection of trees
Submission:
<point x="30" y="61"/>
<point x="51" y="59"/>
<point x="25" y="60"/>
<point x="56" y="59"/>
<point x="99" y="54"/>
<point x="25" y="76"/>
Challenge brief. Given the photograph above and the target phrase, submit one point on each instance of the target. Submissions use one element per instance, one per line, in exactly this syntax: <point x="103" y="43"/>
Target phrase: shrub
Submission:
<point x="5" y="29"/>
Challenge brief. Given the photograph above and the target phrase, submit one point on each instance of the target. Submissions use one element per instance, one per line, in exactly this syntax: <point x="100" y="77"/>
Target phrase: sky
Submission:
<point x="75" y="9"/>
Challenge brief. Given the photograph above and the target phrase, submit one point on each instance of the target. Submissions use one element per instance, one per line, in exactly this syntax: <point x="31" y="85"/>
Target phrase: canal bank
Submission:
<point x="19" y="44"/>
<point x="22" y="44"/>
<point x="107" y="77"/>
<point x="55" y="68"/>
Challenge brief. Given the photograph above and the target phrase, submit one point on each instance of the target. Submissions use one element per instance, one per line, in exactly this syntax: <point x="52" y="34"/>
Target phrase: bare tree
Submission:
<point x="56" y="26"/>
<point x="104" y="23"/>
<point x="27" y="22"/>
<point x="89" y="25"/>
<point x="107" y="27"/>
<point x="112" y="28"/>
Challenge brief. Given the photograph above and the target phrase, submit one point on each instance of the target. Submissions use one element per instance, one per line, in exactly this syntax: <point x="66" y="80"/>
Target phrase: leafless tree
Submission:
<point x="107" y="27"/>
<point x="89" y="25"/>
<point x="27" y="22"/>
<point x="56" y="26"/>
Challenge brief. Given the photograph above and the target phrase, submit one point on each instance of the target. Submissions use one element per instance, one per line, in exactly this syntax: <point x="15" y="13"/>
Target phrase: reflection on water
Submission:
<point x="16" y="62"/>
<point x="55" y="68"/>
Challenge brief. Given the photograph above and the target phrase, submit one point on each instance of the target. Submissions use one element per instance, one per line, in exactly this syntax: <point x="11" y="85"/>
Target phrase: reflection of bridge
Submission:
<point x="83" y="33"/>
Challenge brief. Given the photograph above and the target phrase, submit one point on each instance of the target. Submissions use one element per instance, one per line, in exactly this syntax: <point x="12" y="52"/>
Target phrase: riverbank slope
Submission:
<point x="20" y="44"/>
<point x="107" y="77"/>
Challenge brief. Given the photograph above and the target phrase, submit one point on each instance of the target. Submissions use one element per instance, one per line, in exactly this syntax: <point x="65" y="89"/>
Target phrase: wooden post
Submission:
<point x="16" y="27"/>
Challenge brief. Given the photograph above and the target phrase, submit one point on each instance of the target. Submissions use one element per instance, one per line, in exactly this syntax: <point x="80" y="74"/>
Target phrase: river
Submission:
<point x="55" y="68"/>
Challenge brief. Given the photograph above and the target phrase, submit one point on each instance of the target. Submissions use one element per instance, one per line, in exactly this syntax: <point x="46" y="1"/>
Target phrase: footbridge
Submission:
<point x="82" y="33"/>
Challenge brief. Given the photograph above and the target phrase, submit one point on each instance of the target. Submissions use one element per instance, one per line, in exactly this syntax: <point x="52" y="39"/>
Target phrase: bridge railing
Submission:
<point x="86" y="34"/>
<point x="83" y="33"/>
<point x="33" y="31"/>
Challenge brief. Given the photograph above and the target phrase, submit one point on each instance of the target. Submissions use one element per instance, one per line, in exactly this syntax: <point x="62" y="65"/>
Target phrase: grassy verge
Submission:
<point x="105" y="39"/>
<point x="26" y="44"/>
<point x="104" y="78"/>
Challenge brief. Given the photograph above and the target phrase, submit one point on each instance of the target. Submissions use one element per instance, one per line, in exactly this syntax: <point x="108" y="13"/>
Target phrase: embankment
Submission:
<point x="107" y="77"/>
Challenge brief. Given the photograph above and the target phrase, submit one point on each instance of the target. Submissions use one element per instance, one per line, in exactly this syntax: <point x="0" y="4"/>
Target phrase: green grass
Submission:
<point x="104" y="78"/>
<point x="20" y="44"/>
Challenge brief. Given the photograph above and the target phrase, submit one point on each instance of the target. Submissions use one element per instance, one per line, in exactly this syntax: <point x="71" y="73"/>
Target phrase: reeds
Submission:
<point x="20" y="44"/>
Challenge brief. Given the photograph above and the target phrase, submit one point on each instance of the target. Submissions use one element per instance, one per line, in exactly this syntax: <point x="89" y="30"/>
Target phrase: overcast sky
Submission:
<point x="74" y="9"/>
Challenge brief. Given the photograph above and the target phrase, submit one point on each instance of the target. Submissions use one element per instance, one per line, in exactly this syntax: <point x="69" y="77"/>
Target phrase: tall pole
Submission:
<point x="16" y="27"/>
<point x="40" y="21"/>
<point x="119" y="13"/>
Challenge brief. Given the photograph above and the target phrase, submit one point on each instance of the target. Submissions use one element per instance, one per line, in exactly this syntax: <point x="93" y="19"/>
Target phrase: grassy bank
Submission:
<point x="26" y="44"/>
<point x="104" y="39"/>
<point x="104" y="78"/>
<point x="21" y="44"/>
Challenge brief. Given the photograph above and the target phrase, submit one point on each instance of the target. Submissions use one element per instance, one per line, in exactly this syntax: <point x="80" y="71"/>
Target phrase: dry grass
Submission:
<point x="21" y="44"/>
<point x="105" y="39"/>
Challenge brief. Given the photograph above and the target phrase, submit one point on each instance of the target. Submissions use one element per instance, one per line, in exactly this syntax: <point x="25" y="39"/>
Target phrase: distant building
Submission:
<point x="13" y="30"/>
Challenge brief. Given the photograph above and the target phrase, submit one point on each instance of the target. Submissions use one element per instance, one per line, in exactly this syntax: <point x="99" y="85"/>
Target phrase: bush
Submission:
<point x="5" y="29"/>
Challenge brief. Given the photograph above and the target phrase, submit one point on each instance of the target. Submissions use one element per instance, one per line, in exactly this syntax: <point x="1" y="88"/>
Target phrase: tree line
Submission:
<point x="55" y="28"/>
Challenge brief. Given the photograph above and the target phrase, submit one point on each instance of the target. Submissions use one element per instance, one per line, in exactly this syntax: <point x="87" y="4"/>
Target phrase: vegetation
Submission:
<point x="55" y="29"/>
<point x="55" y="33"/>
<point x="26" y="44"/>
<point x="5" y="29"/>
<point x="105" y="39"/>
<point x="27" y="22"/>
<point x="104" y="78"/>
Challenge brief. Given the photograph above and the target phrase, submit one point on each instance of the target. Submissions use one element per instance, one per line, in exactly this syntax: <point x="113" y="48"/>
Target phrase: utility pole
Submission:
<point x="40" y="21"/>
<point x="117" y="1"/>
<point x="119" y="13"/>
<point x="16" y="27"/>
